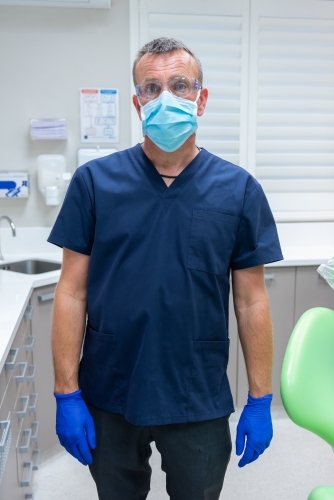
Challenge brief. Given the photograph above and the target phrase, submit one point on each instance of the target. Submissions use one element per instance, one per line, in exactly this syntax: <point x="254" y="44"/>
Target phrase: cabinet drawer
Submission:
<point x="21" y="369"/>
<point x="26" y="402"/>
<point x="26" y="467"/>
<point x="27" y="445"/>
<point x="9" y="399"/>
<point x="23" y="330"/>
<point x="27" y="453"/>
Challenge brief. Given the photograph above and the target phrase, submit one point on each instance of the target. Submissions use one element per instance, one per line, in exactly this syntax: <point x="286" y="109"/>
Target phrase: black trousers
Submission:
<point x="194" y="457"/>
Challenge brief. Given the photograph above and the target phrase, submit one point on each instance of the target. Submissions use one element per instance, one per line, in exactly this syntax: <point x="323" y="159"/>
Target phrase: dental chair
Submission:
<point x="307" y="380"/>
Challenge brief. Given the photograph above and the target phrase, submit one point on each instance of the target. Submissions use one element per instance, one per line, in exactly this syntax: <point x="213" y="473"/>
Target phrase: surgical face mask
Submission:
<point x="169" y="120"/>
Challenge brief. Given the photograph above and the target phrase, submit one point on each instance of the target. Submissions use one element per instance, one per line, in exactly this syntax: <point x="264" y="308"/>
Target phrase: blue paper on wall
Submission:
<point x="14" y="184"/>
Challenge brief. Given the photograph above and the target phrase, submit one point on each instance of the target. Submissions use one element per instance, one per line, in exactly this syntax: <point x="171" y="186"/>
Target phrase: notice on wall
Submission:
<point x="99" y="115"/>
<point x="14" y="184"/>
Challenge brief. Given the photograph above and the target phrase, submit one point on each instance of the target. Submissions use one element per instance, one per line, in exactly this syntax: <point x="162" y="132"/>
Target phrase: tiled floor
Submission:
<point x="296" y="462"/>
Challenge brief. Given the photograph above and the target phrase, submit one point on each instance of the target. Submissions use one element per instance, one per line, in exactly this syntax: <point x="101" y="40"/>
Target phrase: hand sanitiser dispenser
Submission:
<point x="53" y="179"/>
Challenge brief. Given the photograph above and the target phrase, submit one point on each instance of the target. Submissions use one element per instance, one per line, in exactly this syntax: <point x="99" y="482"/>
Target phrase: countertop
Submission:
<point x="16" y="288"/>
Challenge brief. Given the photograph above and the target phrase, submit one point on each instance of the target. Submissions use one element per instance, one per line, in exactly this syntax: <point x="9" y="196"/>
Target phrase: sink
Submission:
<point x="31" y="266"/>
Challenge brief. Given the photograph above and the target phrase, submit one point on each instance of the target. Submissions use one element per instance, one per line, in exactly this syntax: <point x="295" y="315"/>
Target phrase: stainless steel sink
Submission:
<point x="31" y="266"/>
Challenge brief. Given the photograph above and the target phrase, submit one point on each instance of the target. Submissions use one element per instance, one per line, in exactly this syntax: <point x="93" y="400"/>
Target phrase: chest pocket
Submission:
<point x="212" y="241"/>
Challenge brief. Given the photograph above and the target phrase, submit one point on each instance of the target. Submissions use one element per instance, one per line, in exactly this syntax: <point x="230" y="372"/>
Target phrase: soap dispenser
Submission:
<point x="53" y="179"/>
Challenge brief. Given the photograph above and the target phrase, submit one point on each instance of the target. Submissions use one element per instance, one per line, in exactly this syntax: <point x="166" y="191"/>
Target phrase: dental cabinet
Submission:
<point x="19" y="421"/>
<point x="292" y="290"/>
<point x="27" y="408"/>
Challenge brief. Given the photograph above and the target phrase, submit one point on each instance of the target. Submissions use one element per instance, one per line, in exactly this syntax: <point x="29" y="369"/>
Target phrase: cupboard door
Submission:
<point x="42" y="302"/>
<point x="311" y="291"/>
<point x="280" y="283"/>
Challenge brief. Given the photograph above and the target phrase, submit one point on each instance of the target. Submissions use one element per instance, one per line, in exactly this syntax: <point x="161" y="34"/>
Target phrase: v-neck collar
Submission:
<point x="168" y="193"/>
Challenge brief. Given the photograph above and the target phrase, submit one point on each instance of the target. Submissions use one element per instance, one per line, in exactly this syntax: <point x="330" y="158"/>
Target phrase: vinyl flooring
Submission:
<point x="296" y="462"/>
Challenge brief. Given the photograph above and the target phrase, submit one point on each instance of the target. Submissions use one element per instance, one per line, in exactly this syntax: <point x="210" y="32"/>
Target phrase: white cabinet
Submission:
<point x="27" y="406"/>
<point x="19" y="450"/>
<point x="292" y="291"/>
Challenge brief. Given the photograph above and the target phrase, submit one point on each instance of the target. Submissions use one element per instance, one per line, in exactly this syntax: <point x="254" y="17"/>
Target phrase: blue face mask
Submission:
<point x="169" y="120"/>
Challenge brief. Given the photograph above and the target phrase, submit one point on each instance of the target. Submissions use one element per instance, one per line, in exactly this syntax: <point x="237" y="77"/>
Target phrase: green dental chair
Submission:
<point x="307" y="380"/>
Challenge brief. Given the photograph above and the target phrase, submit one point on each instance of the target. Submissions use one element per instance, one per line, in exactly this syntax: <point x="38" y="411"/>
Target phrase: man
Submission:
<point x="150" y="237"/>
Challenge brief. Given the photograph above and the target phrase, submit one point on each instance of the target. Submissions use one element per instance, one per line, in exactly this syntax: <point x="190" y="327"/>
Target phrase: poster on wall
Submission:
<point x="99" y="115"/>
<point x="14" y="184"/>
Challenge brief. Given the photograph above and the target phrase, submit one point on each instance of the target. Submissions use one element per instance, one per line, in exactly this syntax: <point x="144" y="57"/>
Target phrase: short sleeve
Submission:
<point x="257" y="241"/>
<point x="75" y="225"/>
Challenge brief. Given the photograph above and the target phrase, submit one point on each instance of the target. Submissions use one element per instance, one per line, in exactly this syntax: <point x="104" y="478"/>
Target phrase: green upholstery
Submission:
<point x="322" y="493"/>
<point x="307" y="377"/>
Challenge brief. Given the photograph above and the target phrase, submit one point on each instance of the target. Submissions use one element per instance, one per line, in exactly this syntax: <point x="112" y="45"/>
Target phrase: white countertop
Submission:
<point x="304" y="256"/>
<point x="30" y="243"/>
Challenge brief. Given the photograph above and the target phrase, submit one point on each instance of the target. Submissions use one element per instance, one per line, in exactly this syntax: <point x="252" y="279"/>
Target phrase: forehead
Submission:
<point x="166" y="65"/>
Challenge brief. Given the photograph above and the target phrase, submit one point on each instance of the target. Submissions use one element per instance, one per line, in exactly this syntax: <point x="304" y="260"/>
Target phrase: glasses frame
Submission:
<point x="197" y="86"/>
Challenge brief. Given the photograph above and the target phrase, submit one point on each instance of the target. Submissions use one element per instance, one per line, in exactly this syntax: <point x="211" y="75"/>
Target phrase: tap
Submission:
<point x="12" y="225"/>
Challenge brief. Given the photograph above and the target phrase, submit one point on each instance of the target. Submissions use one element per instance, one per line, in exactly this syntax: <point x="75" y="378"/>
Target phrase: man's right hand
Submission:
<point x="75" y="426"/>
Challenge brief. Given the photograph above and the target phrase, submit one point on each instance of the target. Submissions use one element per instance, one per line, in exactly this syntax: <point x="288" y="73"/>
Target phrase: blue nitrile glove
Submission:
<point x="255" y="424"/>
<point x="75" y="426"/>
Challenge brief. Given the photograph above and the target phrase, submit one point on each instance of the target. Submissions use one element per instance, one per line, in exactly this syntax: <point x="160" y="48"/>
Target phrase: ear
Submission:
<point x="136" y="105"/>
<point x="202" y="100"/>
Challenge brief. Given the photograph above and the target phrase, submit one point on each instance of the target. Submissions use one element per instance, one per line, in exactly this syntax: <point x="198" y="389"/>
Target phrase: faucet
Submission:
<point x="12" y="225"/>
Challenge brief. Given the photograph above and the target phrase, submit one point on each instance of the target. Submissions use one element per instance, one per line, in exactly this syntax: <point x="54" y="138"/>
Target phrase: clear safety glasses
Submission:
<point x="180" y="86"/>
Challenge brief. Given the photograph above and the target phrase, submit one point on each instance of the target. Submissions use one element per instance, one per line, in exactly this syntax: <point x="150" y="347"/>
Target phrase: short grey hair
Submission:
<point x="161" y="46"/>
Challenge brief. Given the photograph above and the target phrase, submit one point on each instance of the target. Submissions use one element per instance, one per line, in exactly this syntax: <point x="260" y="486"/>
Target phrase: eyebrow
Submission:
<point x="171" y="78"/>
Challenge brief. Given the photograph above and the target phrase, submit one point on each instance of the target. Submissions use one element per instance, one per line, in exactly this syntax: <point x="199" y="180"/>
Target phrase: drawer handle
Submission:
<point x="269" y="277"/>
<point x="36" y="426"/>
<point x="30" y="377"/>
<point x="22" y="413"/>
<point x="31" y="340"/>
<point x="20" y="378"/>
<point x="36" y="453"/>
<point x="25" y="447"/>
<point x="5" y="426"/>
<point x="26" y="481"/>
<point x="33" y="406"/>
<point x="46" y="297"/>
<point x="10" y="364"/>
<point x="28" y="313"/>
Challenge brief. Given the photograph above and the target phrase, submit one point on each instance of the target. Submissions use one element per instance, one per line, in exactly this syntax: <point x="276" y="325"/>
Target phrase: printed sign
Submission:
<point x="14" y="184"/>
<point x="99" y="115"/>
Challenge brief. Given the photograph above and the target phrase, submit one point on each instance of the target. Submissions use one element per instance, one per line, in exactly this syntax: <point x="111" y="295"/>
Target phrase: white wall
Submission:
<point x="46" y="55"/>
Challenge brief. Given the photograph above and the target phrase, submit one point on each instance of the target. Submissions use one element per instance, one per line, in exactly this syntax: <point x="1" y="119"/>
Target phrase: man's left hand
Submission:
<point x="255" y="425"/>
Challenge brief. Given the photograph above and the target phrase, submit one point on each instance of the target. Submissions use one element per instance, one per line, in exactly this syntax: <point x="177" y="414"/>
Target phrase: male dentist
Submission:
<point x="150" y="237"/>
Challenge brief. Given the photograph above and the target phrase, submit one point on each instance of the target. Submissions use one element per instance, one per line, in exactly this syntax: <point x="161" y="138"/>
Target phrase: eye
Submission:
<point x="180" y="86"/>
<point x="151" y="88"/>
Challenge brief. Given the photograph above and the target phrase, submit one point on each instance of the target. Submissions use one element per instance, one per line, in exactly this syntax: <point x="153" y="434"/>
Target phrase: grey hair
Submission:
<point x="161" y="46"/>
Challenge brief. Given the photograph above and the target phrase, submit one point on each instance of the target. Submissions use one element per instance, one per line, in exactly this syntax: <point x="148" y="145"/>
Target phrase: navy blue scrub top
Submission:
<point x="156" y="344"/>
